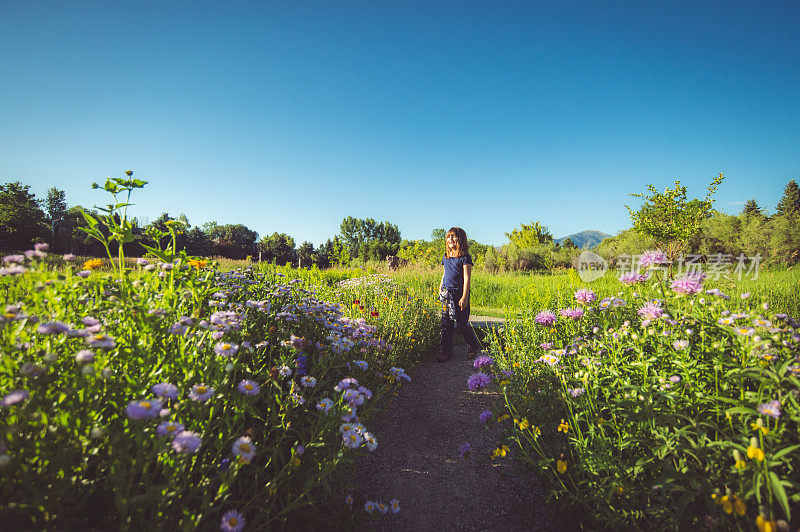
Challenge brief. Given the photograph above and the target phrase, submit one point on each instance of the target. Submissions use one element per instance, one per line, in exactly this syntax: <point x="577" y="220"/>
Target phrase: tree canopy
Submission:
<point x="530" y="235"/>
<point x="670" y="218"/>
<point x="22" y="220"/>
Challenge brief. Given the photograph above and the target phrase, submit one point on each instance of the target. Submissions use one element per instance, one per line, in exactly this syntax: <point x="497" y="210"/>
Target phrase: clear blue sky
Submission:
<point x="288" y="116"/>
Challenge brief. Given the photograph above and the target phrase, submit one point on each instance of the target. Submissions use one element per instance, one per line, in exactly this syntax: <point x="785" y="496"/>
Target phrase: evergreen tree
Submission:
<point x="790" y="202"/>
<point x="751" y="208"/>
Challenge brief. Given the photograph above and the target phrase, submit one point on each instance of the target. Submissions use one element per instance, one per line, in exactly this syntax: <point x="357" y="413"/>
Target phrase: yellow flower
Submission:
<point x="739" y="505"/>
<point x="753" y="452"/>
<point x="737" y="458"/>
<point x="523" y="424"/>
<point x="296" y="461"/>
<point x="503" y="418"/>
<point x="619" y="489"/>
<point x="536" y="431"/>
<point x="198" y="263"/>
<point x="561" y="465"/>
<point x="765" y="526"/>
<point x="92" y="264"/>
<point x="759" y="425"/>
<point x="500" y="451"/>
<point x="726" y="504"/>
<point x="563" y="427"/>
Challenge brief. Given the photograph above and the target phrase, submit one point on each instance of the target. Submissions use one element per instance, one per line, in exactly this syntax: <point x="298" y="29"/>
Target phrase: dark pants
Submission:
<point x="462" y="319"/>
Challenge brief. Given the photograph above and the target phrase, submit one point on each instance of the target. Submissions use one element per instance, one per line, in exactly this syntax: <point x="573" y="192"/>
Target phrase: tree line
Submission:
<point x="669" y="220"/>
<point x="26" y="219"/>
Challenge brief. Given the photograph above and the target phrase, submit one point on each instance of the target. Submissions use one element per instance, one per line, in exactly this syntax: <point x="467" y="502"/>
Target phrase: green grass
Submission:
<point x="494" y="294"/>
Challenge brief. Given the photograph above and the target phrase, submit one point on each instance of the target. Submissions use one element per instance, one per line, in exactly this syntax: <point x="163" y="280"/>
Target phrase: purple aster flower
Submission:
<point x="101" y="341"/>
<point x="680" y="345"/>
<point x="546" y="345"/>
<point x="69" y="257"/>
<point x="486" y="415"/>
<point x="653" y="258"/>
<point x="675" y="379"/>
<point x="17" y="396"/>
<point x="165" y="390"/>
<point x="84" y="356"/>
<point x="249" y="387"/>
<point x="201" y="393"/>
<point x="482" y="360"/>
<point x="772" y="408"/>
<point x="688" y="284"/>
<point x="232" y="521"/>
<point x="83" y="274"/>
<point x="52" y="327"/>
<point x="465" y="450"/>
<point x="574" y="313"/>
<point x="90" y="321"/>
<point x="186" y="442"/>
<point x="545" y="317"/>
<point x="244" y="449"/>
<point x="630" y="278"/>
<point x="576" y="392"/>
<point x="148" y="408"/>
<point x="651" y="310"/>
<point x="169" y="428"/>
<point x="584" y="295"/>
<point x="478" y="381"/>
<point x="225" y="349"/>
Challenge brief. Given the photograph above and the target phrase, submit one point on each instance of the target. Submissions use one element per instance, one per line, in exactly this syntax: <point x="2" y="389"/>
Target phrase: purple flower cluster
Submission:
<point x="545" y="317"/>
<point x="482" y="360"/>
<point x="651" y="310"/>
<point x="630" y="278"/>
<point x="584" y="295"/>
<point x="485" y="416"/>
<point x="478" y="381"/>
<point x="465" y="450"/>
<point x="688" y="284"/>
<point x="574" y="313"/>
<point x="653" y="258"/>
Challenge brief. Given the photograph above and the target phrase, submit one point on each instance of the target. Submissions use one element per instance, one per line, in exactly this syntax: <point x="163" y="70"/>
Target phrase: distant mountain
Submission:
<point x="585" y="239"/>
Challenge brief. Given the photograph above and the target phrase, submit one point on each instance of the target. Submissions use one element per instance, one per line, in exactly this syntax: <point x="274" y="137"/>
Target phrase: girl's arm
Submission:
<point x="441" y="283"/>
<point x="464" y="302"/>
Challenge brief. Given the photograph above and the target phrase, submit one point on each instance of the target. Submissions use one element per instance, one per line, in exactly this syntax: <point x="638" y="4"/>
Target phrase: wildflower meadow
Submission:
<point x="171" y="394"/>
<point x="662" y="403"/>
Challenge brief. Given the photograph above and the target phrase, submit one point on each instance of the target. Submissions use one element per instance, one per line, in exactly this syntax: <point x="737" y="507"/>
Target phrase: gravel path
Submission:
<point x="417" y="460"/>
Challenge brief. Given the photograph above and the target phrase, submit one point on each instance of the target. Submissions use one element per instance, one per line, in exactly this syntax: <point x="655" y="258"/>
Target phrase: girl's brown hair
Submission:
<point x="462" y="246"/>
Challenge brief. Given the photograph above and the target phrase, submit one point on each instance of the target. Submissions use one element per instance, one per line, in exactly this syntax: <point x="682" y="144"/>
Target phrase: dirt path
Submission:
<point x="418" y="461"/>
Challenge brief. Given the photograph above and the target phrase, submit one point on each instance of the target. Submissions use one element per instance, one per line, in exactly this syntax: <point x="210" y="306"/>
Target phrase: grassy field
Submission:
<point x="495" y="294"/>
<point x="499" y="294"/>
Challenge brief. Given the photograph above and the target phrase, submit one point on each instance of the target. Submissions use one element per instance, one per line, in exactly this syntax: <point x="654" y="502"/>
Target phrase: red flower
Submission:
<point x="374" y="313"/>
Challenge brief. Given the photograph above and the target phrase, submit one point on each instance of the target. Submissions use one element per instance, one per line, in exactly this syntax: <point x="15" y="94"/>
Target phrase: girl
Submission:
<point x="454" y="294"/>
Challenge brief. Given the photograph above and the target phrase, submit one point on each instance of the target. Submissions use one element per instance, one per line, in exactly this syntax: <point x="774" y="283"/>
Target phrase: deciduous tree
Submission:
<point x="22" y="220"/>
<point x="670" y="218"/>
